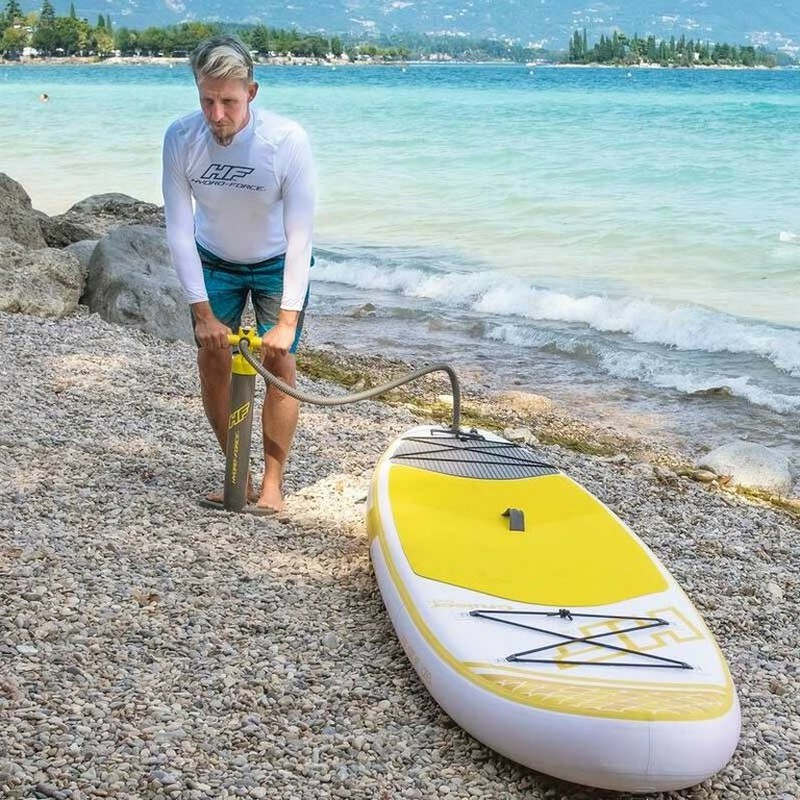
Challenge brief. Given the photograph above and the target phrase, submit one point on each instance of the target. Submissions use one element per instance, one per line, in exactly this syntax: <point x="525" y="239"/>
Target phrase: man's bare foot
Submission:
<point x="271" y="497"/>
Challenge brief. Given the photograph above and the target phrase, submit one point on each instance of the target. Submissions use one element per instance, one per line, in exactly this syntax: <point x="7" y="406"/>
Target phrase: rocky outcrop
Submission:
<point x="750" y="465"/>
<point x="43" y="282"/>
<point x="102" y="213"/>
<point x="18" y="221"/>
<point x="91" y="218"/>
<point x="131" y="281"/>
<point x="108" y="251"/>
<point x="62" y="232"/>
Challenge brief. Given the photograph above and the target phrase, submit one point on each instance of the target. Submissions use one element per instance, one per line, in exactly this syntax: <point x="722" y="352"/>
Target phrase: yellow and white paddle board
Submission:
<point x="540" y="622"/>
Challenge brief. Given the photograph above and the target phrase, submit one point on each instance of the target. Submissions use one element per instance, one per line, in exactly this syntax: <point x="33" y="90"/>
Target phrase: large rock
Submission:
<point x="131" y="281"/>
<point x="18" y="220"/>
<point x="102" y="213"/>
<point x="44" y="283"/>
<point x="752" y="465"/>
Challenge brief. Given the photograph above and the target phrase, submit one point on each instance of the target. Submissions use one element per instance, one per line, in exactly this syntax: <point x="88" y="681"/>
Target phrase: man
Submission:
<point x="239" y="196"/>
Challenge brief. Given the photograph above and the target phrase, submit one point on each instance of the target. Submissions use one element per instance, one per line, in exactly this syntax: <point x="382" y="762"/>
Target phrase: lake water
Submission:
<point x="625" y="241"/>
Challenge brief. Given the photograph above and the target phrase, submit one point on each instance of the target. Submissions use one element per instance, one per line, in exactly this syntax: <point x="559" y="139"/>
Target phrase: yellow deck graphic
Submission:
<point x="615" y="701"/>
<point x="573" y="551"/>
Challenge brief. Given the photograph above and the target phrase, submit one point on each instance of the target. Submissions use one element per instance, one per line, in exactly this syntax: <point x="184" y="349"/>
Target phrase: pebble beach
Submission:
<point x="150" y="648"/>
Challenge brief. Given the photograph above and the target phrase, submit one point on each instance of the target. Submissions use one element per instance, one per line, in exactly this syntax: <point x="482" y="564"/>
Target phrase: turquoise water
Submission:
<point x="632" y="237"/>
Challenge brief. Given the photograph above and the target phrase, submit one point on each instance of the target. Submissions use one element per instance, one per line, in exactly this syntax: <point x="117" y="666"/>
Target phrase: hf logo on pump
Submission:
<point x="238" y="415"/>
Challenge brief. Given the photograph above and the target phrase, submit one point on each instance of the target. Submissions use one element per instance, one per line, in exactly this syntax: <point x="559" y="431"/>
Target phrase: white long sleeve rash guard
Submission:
<point x="246" y="202"/>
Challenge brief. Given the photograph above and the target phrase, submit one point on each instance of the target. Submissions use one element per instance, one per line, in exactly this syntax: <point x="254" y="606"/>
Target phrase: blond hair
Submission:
<point x="223" y="56"/>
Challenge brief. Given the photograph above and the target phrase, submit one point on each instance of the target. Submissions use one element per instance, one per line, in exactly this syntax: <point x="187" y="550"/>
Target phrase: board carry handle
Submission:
<point x="516" y="519"/>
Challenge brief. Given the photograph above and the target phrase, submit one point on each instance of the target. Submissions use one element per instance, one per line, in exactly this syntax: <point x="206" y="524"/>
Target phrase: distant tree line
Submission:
<point x="622" y="50"/>
<point x="180" y="40"/>
<point x="423" y="46"/>
<point x="52" y="35"/>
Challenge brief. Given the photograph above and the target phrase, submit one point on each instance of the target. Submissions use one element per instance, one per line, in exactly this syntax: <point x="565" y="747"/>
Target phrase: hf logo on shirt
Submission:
<point x="226" y="172"/>
<point x="230" y="175"/>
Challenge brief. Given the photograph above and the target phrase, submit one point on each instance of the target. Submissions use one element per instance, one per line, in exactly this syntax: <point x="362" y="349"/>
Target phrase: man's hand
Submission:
<point x="278" y="340"/>
<point x="210" y="332"/>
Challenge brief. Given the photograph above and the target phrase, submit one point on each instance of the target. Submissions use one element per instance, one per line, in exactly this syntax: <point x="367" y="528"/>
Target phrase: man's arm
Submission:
<point x="179" y="215"/>
<point x="299" y="193"/>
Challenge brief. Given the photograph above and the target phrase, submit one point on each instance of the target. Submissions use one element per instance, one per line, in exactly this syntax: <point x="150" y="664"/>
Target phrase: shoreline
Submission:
<point x="155" y="648"/>
<point x="526" y="416"/>
<point x="302" y="61"/>
<point x="574" y="416"/>
<point x="578" y="420"/>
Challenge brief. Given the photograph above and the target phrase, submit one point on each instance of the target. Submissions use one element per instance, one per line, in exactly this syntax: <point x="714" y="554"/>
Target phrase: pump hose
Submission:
<point x="320" y="400"/>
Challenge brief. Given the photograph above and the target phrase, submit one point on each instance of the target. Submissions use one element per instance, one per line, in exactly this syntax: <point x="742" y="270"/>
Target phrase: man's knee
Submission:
<point x="214" y="365"/>
<point x="283" y="367"/>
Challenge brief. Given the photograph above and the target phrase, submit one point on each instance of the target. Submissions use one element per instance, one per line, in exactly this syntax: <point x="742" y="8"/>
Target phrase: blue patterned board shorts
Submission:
<point x="229" y="285"/>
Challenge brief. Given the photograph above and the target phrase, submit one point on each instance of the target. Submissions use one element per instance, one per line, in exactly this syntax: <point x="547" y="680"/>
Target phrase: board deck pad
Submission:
<point x="573" y="551"/>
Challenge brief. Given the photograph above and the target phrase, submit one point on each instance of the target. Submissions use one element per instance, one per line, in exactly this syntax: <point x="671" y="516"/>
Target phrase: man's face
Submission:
<point x="226" y="105"/>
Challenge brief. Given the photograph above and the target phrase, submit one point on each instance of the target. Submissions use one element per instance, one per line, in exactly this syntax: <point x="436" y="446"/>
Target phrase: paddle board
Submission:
<point x="540" y="622"/>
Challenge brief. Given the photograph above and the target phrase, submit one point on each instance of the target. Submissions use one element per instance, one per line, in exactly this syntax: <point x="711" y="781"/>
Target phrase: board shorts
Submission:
<point x="230" y="284"/>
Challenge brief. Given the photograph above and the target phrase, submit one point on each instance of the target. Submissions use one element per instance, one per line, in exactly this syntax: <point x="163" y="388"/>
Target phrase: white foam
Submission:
<point x="461" y="288"/>
<point x="681" y="327"/>
<point x="650" y="369"/>
<point x="789" y="237"/>
<point x="519" y="336"/>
